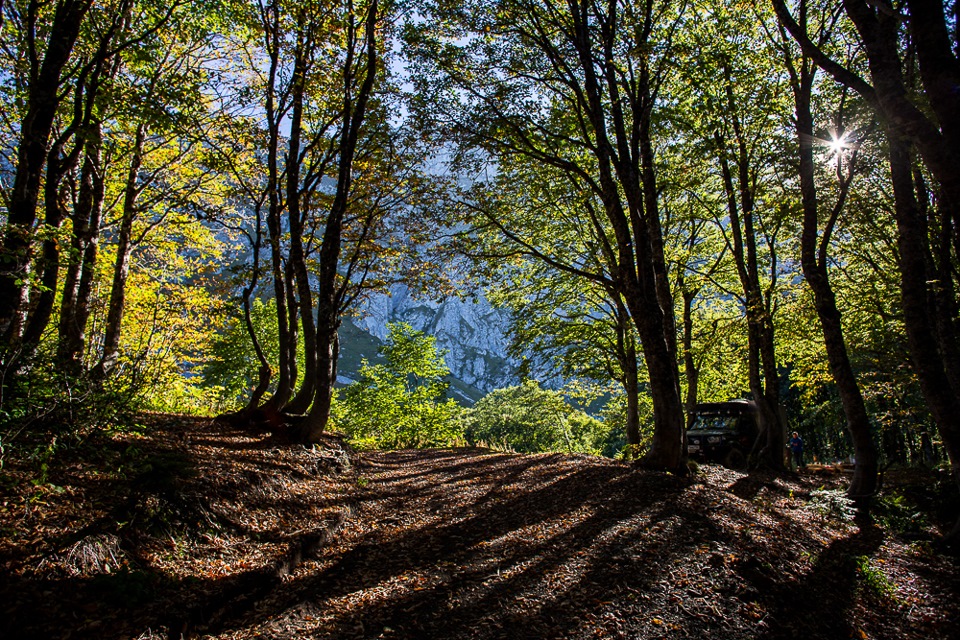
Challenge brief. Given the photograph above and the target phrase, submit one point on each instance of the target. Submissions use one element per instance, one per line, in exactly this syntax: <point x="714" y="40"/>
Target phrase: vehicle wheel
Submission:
<point x="735" y="460"/>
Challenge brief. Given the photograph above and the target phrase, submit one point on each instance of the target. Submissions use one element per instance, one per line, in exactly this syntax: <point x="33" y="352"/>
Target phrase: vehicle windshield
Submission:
<point x="715" y="422"/>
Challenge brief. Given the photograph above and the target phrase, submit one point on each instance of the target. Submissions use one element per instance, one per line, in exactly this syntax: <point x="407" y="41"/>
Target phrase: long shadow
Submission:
<point x="601" y="570"/>
<point x="816" y="606"/>
<point x="129" y="602"/>
<point x="91" y="605"/>
<point x="436" y="481"/>
<point x="748" y="486"/>
<point x="375" y="562"/>
<point x="477" y="467"/>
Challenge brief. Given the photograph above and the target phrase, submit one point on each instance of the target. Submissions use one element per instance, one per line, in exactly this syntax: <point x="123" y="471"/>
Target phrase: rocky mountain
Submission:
<point x="472" y="332"/>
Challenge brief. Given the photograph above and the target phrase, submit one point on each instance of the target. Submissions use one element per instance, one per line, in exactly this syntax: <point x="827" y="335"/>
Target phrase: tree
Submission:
<point x="49" y="34"/>
<point x="738" y="125"/>
<point x="927" y="223"/>
<point x="819" y="224"/>
<point x="334" y="169"/>
<point x="158" y="136"/>
<point x="573" y="87"/>
<point x="92" y="44"/>
<point x="401" y="403"/>
<point x="528" y="419"/>
<point x="542" y="246"/>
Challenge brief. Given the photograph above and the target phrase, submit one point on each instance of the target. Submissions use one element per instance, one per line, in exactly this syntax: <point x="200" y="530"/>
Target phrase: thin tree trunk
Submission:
<point x="627" y="354"/>
<point x="263" y="369"/>
<point x="303" y="398"/>
<point x="121" y="268"/>
<point x="78" y="282"/>
<point x="689" y="364"/>
<point x="271" y="23"/>
<point x="761" y="357"/>
<point x="814" y="263"/>
<point x="49" y="263"/>
<point x="329" y="293"/>
<point x="293" y="323"/>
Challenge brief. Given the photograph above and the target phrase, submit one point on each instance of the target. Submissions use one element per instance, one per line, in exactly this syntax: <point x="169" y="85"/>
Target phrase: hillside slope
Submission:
<point x="192" y="530"/>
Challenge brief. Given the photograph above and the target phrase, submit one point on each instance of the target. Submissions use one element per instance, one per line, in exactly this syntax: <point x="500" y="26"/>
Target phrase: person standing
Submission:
<point x="795" y="444"/>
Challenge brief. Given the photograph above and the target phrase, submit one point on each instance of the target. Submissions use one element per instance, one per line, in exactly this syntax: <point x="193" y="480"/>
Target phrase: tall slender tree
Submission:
<point x="590" y="87"/>
<point x="819" y="224"/>
<point x="927" y="244"/>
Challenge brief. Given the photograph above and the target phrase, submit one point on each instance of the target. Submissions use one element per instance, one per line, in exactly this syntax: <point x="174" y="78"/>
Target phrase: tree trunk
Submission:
<point x="49" y="263"/>
<point x="627" y="354"/>
<point x="761" y="355"/>
<point x="933" y="359"/>
<point x="43" y="99"/>
<point x="81" y="267"/>
<point x="264" y="373"/>
<point x="919" y="322"/>
<point x="328" y="351"/>
<point x="814" y="262"/>
<point x="274" y="115"/>
<point x="121" y="268"/>
<point x="303" y="398"/>
<point x="690" y="366"/>
<point x="329" y="292"/>
<point x="641" y="274"/>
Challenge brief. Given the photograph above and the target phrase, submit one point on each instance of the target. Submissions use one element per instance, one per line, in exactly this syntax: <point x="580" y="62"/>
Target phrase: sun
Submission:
<point x="837" y="144"/>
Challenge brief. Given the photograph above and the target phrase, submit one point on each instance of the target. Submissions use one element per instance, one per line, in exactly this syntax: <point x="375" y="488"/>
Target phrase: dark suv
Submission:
<point x="723" y="432"/>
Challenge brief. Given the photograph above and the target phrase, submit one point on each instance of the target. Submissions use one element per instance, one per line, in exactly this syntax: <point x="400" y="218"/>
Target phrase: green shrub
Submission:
<point x="528" y="419"/>
<point x="401" y="403"/>
<point x="899" y="514"/>
<point x="832" y="503"/>
<point x="874" y="579"/>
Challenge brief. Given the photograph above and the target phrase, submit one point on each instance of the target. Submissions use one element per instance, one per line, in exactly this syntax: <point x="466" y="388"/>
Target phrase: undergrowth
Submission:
<point x="832" y="503"/>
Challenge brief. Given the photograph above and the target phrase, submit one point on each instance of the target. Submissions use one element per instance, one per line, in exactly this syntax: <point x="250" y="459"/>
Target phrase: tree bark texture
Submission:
<point x="274" y="114"/>
<point x="761" y="354"/>
<point x="121" y="266"/>
<point x="304" y="396"/>
<point x="84" y="247"/>
<point x="623" y="168"/>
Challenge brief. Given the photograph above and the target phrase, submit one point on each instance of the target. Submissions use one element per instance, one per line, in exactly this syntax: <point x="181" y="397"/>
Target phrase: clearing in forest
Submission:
<point x="191" y="529"/>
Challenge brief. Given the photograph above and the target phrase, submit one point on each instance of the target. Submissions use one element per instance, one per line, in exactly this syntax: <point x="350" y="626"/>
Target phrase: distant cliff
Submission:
<point x="473" y="333"/>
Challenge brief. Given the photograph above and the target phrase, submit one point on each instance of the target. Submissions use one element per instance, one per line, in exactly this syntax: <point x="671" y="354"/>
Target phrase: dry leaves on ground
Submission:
<point x="195" y="530"/>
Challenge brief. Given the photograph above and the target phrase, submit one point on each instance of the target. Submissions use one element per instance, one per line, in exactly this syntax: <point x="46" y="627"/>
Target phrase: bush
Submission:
<point x="231" y="372"/>
<point x="401" y="403"/>
<point x="832" y="503"/>
<point x="528" y="419"/>
<point x="896" y="512"/>
<point x="46" y="400"/>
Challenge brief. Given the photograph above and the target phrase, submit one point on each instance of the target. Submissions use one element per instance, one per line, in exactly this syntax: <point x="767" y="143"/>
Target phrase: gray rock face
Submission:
<point x="473" y="333"/>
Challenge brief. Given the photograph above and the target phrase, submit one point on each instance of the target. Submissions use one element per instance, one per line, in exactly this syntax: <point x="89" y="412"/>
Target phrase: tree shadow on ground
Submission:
<point x="817" y="605"/>
<point x="92" y="577"/>
<point x="487" y="573"/>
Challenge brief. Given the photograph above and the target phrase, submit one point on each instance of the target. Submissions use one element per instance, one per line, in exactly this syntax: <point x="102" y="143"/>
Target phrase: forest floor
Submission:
<point x="188" y="528"/>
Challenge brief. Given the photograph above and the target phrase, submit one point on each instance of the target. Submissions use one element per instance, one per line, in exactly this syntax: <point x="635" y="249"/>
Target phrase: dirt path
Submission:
<point x="221" y="534"/>
<point x="469" y="544"/>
